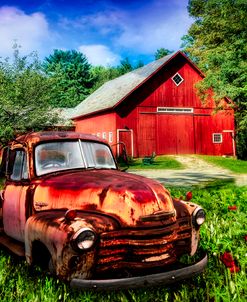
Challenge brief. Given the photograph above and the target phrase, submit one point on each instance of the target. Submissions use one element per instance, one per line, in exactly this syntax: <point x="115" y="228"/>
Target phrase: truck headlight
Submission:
<point x="84" y="239"/>
<point x="198" y="217"/>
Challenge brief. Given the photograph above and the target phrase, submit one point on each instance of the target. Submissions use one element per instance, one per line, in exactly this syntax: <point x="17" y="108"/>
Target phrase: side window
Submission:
<point x="19" y="165"/>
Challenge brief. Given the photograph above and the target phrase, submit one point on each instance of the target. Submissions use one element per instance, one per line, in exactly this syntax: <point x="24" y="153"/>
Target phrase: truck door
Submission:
<point x="14" y="202"/>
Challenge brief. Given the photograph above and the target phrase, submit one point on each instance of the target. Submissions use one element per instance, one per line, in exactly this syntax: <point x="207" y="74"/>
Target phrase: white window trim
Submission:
<point x="221" y="138"/>
<point x="175" y="110"/>
<point x="177" y="84"/>
<point x="110" y="137"/>
<point x="233" y="140"/>
<point x="104" y="135"/>
<point x="132" y="140"/>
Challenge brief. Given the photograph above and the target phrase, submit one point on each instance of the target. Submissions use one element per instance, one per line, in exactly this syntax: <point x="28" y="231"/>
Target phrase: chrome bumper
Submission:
<point x="144" y="281"/>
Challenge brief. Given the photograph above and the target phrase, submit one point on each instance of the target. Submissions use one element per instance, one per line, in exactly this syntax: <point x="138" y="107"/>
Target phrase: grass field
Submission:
<point x="160" y="162"/>
<point x="223" y="231"/>
<point x="232" y="164"/>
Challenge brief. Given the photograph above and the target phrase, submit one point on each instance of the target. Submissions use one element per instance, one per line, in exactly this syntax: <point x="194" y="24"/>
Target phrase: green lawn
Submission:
<point x="232" y="164"/>
<point x="160" y="162"/>
<point x="223" y="231"/>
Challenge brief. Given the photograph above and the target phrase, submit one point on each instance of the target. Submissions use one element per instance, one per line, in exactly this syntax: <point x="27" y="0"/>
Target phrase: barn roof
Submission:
<point x="115" y="91"/>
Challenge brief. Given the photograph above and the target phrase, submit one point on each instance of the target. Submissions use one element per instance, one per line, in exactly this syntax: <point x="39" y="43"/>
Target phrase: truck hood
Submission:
<point x="124" y="196"/>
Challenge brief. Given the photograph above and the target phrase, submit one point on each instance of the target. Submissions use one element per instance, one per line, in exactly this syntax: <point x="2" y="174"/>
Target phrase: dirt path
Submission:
<point x="196" y="171"/>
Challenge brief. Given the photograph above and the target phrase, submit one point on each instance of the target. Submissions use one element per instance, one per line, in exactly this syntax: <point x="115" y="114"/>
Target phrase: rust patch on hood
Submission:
<point x="125" y="196"/>
<point x="103" y="194"/>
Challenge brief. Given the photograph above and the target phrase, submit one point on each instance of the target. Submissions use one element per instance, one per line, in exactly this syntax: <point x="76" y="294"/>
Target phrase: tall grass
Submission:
<point x="223" y="231"/>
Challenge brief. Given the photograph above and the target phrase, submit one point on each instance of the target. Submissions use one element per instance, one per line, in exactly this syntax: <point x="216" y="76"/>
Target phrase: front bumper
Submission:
<point x="144" y="281"/>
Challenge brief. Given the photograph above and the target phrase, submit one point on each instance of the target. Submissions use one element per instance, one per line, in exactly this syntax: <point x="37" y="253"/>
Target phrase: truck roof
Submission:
<point x="35" y="137"/>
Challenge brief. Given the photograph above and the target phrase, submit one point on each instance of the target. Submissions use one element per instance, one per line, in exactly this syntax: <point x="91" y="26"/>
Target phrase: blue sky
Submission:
<point x="105" y="31"/>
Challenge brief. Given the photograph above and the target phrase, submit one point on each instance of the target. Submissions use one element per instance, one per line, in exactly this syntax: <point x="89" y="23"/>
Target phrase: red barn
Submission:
<point x="156" y="109"/>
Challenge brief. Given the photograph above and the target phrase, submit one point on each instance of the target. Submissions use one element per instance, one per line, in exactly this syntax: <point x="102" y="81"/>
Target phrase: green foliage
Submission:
<point x="103" y="74"/>
<point x="125" y="66"/>
<point x="72" y="77"/>
<point x="24" y="96"/>
<point x="232" y="164"/>
<point x="217" y="42"/>
<point x="161" y="52"/>
<point x="223" y="230"/>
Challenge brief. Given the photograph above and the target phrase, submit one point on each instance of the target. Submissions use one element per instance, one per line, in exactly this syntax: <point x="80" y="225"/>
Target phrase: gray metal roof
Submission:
<point x="112" y="92"/>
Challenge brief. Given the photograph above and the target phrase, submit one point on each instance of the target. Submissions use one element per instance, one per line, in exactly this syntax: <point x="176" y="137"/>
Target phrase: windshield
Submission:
<point x="56" y="156"/>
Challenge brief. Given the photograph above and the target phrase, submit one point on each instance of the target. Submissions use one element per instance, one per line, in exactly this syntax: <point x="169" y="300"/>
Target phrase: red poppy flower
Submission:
<point x="229" y="262"/>
<point x="232" y="208"/>
<point x="189" y="196"/>
<point x="227" y="259"/>
<point x="234" y="269"/>
<point x="245" y="237"/>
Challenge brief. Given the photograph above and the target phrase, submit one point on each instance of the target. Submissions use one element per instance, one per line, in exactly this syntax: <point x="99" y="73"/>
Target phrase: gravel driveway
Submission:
<point x="196" y="171"/>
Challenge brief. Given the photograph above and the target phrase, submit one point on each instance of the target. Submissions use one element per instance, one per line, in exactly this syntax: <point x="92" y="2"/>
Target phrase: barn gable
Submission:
<point x="113" y="92"/>
<point x="156" y="108"/>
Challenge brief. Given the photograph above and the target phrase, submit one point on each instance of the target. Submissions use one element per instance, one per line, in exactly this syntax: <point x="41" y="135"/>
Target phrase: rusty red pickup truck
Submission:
<point x="67" y="207"/>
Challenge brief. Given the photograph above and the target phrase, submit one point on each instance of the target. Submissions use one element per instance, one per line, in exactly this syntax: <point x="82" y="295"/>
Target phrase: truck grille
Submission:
<point x="142" y="248"/>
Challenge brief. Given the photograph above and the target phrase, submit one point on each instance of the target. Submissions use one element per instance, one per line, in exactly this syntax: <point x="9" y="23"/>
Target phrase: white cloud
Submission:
<point x="103" y="22"/>
<point x="30" y="31"/>
<point x="162" y="24"/>
<point x="140" y="30"/>
<point x="99" y="54"/>
<point x="144" y="29"/>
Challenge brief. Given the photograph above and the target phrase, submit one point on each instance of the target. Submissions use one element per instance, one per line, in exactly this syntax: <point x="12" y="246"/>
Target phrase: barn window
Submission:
<point x="217" y="138"/>
<point x="104" y="135"/>
<point x="110" y="137"/>
<point x="177" y="79"/>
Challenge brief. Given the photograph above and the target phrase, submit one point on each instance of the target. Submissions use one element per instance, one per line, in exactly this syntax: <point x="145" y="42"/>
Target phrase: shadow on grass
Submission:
<point x="197" y="179"/>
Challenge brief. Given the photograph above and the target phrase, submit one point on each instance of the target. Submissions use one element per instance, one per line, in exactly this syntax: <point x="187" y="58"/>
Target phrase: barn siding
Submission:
<point x="206" y="125"/>
<point x="128" y="121"/>
<point x="177" y="132"/>
<point x="147" y="131"/>
<point x="167" y="94"/>
<point x="98" y="124"/>
<point x="184" y="134"/>
<point x="162" y="132"/>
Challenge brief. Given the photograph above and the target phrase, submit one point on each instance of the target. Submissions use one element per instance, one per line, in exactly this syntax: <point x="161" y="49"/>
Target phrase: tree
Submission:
<point x="103" y="74"/>
<point x="24" y="96"/>
<point x="125" y="66"/>
<point x="217" y="42"/>
<point x="161" y="52"/>
<point x="72" y="77"/>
